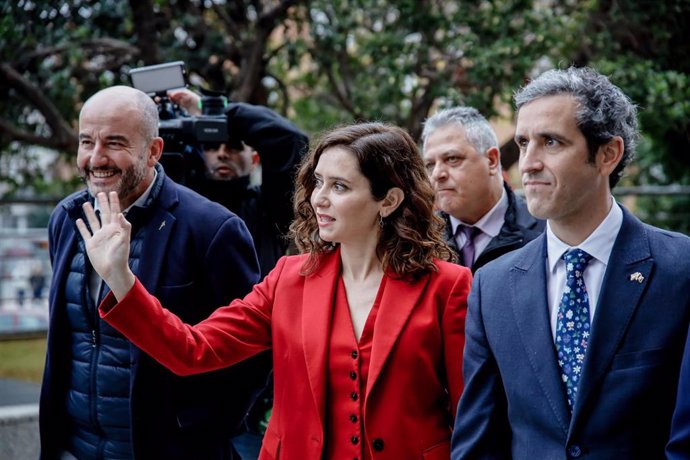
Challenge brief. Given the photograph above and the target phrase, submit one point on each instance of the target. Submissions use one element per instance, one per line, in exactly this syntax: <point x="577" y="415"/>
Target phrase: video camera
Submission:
<point x="184" y="136"/>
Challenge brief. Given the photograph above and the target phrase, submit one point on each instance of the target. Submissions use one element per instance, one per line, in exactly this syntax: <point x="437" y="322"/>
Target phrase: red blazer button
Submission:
<point x="377" y="444"/>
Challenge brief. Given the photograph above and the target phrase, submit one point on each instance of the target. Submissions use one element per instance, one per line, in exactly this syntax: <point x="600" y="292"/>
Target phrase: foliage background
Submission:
<point x="326" y="62"/>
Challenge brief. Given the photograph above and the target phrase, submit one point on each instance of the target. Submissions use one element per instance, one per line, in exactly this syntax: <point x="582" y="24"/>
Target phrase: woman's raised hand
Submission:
<point x="107" y="243"/>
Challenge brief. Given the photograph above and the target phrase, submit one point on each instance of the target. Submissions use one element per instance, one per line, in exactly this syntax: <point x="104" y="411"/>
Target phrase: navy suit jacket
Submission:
<point x="679" y="446"/>
<point x="196" y="256"/>
<point x="514" y="403"/>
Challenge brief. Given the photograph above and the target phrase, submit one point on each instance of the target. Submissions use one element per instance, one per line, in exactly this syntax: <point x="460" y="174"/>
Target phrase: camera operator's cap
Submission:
<point x="230" y="143"/>
<point x="235" y="144"/>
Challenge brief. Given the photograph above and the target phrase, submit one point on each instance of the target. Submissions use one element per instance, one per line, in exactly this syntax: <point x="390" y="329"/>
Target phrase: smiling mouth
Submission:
<point x="103" y="174"/>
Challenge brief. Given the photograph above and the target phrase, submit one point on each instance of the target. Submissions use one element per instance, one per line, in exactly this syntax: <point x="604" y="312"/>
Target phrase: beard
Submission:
<point x="130" y="179"/>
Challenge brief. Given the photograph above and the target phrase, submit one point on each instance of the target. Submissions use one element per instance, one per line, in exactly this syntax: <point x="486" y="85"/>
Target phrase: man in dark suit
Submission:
<point x="574" y="342"/>
<point x="101" y="396"/>
<point x="484" y="218"/>
<point x="679" y="446"/>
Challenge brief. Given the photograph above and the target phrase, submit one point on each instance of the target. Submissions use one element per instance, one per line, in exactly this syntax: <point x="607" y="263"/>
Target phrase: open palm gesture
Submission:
<point x="107" y="243"/>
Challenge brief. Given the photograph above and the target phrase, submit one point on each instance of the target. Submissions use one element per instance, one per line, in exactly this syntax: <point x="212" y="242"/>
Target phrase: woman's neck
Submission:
<point x="360" y="263"/>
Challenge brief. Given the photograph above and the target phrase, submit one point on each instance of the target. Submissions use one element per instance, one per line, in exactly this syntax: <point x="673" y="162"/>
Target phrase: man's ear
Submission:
<point x="394" y="197"/>
<point x="609" y="155"/>
<point x="493" y="155"/>
<point x="155" y="151"/>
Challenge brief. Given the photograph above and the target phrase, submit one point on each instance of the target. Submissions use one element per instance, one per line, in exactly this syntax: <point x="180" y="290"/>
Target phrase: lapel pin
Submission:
<point x="637" y="276"/>
<point x="163" y="225"/>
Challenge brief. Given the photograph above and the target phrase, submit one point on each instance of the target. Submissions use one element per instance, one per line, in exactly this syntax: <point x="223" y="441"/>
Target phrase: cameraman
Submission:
<point x="278" y="145"/>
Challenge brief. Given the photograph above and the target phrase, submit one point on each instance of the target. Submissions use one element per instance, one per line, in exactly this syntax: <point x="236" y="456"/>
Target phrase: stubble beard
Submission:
<point x="128" y="183"/>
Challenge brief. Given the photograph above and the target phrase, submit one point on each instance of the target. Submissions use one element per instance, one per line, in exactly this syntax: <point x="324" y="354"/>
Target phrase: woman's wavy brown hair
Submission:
<point x="411" y="237"/>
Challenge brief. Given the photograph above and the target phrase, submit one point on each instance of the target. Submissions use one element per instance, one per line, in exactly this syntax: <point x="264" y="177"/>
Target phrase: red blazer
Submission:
<point x="415" y="376"/>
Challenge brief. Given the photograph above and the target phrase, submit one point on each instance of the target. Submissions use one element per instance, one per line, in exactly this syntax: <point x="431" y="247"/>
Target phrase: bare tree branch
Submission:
<point x="341" y="96"/>
<point x="270" y="17"/>
<point x="16" y="134"/>
<point x="230" y="25"/>
<point x="284" y="95"/>
<point x="145" y="26"/>
<point x="96" y="45"/>
<point x="420" y="110"/>
<point x="274" y="52"/>
<point x="63" y="135"/>
<point x="253" y="66"/>
<point x="254" y="59"/>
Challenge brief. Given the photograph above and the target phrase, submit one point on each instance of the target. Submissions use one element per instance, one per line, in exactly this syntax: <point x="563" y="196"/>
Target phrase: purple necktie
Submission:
<point x="467" y="250"/>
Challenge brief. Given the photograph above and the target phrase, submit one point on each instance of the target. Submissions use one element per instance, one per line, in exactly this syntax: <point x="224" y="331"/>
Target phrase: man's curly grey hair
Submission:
<point x="604" y="111"/>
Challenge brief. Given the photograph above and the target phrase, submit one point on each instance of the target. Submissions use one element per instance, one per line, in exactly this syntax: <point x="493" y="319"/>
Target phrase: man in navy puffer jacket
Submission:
<point x="102" y="398"/>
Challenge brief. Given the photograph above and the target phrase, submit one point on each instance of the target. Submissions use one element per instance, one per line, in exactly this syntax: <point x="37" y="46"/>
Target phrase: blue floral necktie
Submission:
<point x="572" y="324"/>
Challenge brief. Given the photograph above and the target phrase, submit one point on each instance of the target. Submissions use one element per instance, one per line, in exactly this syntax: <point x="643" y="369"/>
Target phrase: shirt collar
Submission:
<point x="491" y="222"/>
<point x="598" y="244"/>
<point x="139" y="201"/>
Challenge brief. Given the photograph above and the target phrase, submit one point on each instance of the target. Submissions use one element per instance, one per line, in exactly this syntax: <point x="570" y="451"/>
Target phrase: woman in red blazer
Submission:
<point x="366" y="326"/>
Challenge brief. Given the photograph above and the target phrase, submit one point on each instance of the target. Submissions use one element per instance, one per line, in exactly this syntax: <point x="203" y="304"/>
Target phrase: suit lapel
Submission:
<point x="159" y="232"/>
<point x="397" y="302"/>
<point x="154" y="247"/>
<point x="530" y="309"/>
<point x="319" y="292"/>
<point x="628" y="272"/>
<point x="448" y="233"/>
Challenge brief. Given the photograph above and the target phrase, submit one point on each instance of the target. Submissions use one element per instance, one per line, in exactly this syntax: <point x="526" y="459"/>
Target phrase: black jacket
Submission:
<point x="519" y="228"/>
<point x="265" y="209"/>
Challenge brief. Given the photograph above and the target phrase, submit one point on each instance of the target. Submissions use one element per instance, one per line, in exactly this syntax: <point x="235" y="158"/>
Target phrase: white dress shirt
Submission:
<point x="599" y="245"/>
<point x="490" y="225"/>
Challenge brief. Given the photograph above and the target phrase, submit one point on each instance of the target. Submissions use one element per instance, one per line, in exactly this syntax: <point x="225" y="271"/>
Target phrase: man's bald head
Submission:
<point x="125" y="97"/>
